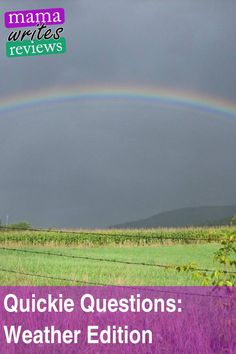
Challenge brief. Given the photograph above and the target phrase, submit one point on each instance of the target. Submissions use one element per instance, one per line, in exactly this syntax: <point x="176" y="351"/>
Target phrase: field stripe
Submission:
<point x="146" y="289"/>
<point x="49" y="277"/>
<point x="165" y="266"/>
<point x="114" y="235"/>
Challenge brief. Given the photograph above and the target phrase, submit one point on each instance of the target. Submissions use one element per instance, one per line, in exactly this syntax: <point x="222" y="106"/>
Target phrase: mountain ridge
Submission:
<point x="185" y="217"/>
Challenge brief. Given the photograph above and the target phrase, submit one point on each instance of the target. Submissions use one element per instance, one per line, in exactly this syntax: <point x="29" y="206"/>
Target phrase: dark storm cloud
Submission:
<point x="100" y="164"/>
<point x="185" y="44"/>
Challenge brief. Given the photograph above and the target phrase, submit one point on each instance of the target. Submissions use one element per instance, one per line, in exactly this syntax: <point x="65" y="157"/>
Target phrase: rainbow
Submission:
<point x="163" y="96"/>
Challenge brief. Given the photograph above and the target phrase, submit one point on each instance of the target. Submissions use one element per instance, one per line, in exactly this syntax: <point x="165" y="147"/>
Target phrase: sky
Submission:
<point x="95" y="164"/>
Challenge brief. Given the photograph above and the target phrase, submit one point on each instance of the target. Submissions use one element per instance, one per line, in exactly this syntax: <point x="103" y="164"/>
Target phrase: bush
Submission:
<point x="22" y="225"/>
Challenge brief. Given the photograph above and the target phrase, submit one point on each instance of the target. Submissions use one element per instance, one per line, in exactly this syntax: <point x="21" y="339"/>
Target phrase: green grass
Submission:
<point x="189" y="245"/>
<point x="106" y="272"/>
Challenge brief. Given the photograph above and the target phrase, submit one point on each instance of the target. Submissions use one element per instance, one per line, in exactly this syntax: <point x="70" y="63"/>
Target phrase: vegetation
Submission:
<point x="92" y="271"/>
<point x="21" y="225"/>
<point x="118" y="257"/>
<point x="117" y="237"/>
<point x="233" y="221"/>
<point x="226" y="256"/>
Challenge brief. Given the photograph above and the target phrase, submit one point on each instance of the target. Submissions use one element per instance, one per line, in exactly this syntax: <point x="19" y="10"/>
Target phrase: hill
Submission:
<point x="194" y="216"/>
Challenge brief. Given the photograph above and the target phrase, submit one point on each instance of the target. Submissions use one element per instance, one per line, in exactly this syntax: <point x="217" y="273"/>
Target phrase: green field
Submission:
<point x="152" y="247"/>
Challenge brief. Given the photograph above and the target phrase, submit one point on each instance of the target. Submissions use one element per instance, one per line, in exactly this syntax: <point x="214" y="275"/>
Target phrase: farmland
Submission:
<point x="106" y="257"/>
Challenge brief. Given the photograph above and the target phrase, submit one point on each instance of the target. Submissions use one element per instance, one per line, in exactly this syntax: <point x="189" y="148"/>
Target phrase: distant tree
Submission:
<point x="23" y="225"/>
<point x="233" y="221"/>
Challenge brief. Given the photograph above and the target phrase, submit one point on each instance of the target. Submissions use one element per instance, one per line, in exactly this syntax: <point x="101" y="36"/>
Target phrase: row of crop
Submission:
<point x="106" y="237"/>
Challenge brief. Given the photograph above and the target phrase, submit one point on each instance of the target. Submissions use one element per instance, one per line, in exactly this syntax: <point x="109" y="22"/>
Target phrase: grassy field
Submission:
<point x="132" y="246"/>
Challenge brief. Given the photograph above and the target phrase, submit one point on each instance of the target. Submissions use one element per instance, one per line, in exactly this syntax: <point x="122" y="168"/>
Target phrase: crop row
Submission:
<point x="106" y="237"/>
